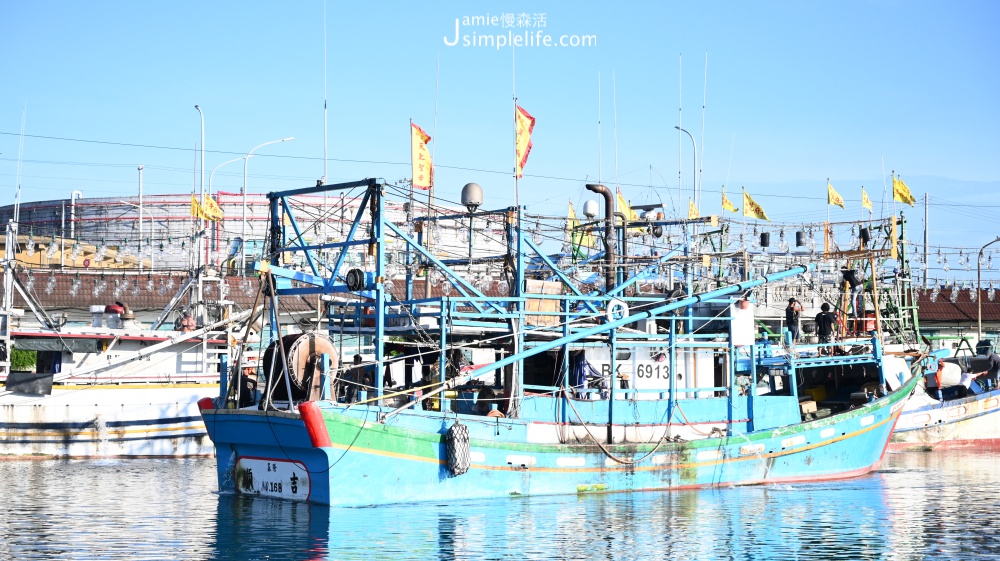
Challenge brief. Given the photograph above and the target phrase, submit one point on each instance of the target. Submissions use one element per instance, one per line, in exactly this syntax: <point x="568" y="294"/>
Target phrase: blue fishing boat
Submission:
<point x="564" y="377"/>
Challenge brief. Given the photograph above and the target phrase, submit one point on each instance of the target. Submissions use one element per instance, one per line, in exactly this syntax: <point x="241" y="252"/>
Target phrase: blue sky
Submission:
<point x="797" y="92"/>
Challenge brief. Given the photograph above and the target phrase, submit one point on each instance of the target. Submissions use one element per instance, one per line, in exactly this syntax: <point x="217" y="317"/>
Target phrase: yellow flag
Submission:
<point x="752" y="209"/>
<point x="578" y="238"/>
<point x="901" y="193"/>
<point x="524" y="124"/>
<point x="865" y="201"/>
<point x="196" y="209"/>
<point x="692" y="210"/>
<point x="833" y="197"/>
<point x="420" y="158"/>
<point x="623" y="208"/>
<point x="211" y="209"/>
<point x="727" y="204"/>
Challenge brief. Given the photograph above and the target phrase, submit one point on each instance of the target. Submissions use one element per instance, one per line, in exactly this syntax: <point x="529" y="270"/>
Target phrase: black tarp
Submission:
<point x="29" y="383"/>
<point x="73" y="345"/>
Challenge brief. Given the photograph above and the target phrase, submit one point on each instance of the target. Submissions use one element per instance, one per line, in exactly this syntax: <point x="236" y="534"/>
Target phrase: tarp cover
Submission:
<point x="72" y="345"/>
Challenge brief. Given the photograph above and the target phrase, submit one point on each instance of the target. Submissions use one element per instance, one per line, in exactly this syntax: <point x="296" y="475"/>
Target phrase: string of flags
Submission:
<point x="524" y="124"/>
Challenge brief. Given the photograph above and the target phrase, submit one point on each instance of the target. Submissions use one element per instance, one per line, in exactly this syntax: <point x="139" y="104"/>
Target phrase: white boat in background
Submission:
<point x="962" y="414"/>
<point x="114" y="388"/>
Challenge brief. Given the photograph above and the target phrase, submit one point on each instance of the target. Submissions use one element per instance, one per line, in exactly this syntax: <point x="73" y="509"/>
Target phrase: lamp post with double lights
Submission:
<point x="211" y="192"/>
<point x="243" y="227"/>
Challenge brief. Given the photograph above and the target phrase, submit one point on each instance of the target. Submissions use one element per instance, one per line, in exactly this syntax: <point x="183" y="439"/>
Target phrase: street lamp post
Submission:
<point x="694" y="172"/>
<point x="215" y="237"/>
<point x="243" y="227"/>
<point x="211" y="175"/>
<point x="139" y="245"/>
<point x="152" y="261"/>
<point x="979" y="289"/>
<point x="203" y="222"/>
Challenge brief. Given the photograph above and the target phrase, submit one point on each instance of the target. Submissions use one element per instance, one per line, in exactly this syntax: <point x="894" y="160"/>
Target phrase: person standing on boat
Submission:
<point x="824" y="325"/>
<point x="851" y="277"/>
<point x="792" y="313"/>
<point x="993" y="372"/>
<point x="355" y="376"/>
<point x="187" y="322"/>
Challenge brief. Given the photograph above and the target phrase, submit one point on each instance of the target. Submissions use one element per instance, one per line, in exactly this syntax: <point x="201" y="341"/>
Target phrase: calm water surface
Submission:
<point x="920" y="506"/>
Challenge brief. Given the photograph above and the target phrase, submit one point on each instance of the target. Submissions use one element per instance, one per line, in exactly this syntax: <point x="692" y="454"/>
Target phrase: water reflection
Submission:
<point x="922" y="505"/>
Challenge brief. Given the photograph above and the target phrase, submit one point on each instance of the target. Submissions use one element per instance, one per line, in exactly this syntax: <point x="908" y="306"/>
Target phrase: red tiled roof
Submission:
<point x="61" y="297"/>
<point x="962" y="310"/>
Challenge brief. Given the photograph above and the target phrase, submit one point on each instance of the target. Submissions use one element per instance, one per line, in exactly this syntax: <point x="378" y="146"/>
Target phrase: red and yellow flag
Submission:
<point x="524" y="123"/>
<point x="752" y="209"/>
<point x="420" y="158"/>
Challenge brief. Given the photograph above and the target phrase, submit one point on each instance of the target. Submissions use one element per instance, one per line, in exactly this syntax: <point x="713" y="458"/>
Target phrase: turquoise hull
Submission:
<point x="345" y="457"/>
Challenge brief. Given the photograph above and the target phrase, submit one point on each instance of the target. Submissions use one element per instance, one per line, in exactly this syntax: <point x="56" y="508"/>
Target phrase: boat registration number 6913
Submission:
<point x="272" y="478"/>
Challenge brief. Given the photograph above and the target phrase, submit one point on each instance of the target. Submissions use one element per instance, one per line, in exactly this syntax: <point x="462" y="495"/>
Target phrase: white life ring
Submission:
<point x="616" y="309"/>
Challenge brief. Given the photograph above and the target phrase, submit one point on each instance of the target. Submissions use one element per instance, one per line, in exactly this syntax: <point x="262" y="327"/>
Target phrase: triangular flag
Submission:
<point x="420" y="158"/>
<point x="692" y="210"/>
<point x="727" y="204"/>
<point x="752" y="209"/>
<point x="833" y="197"/>
<point x="865" y="201"/>
<point x="901" y="193"/>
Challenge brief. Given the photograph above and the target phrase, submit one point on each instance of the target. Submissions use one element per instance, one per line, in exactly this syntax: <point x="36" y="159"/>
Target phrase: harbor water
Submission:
<point x="918" y="506"/>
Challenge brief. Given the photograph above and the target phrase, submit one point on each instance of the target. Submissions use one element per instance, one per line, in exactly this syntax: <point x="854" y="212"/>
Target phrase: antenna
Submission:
<point x="680" y="124"/>
<point x="326" y="134"/>
<point x="614" y="109"/>
<point x="428" y="239"/>
<point x="20" y="154"/>
<point x="326" y="137"/>
<point x="513" y="91"/>
<point x="599" y="141"/>
<point x="701" y="158"/>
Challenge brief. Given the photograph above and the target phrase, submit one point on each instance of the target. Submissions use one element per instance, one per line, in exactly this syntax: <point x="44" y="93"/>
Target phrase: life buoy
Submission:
<point x="616" y="309"/>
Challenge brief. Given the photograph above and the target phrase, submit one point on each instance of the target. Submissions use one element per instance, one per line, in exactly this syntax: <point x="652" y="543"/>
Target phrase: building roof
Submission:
<point x="962" y="310"/>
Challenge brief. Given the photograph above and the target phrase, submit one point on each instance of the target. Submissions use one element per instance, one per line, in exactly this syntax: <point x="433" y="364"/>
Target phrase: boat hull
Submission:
<point x="929" y="424"/>
<point x="337" y="457"/>
<point x="134" y="421"/>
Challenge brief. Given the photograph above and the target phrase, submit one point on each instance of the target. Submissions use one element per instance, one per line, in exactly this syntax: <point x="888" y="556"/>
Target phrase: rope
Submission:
<point x="691" y="426"/>
<point x="604" y="448"/>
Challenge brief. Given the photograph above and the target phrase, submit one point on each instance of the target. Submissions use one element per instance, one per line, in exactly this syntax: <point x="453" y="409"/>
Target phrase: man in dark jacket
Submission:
<point x="792" y="313"/>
